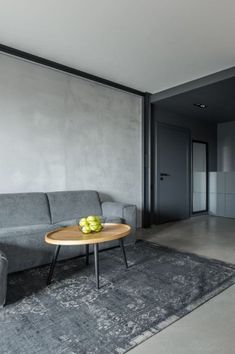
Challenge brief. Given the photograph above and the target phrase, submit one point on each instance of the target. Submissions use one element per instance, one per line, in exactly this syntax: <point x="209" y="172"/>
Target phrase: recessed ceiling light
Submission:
<point x="200" y="105"/>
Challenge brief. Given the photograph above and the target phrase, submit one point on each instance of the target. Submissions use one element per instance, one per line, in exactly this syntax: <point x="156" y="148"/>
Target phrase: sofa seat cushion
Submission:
<point x="25" y="230"/>
<point x="3" y="277"/>
<point x="18" y="209"/>
<point x="112" y="219"/>
<point x="66" y="223"/>
<point x="71" y="205"/>
<point x="115" y="220"/>
<point x="26" y="248"/>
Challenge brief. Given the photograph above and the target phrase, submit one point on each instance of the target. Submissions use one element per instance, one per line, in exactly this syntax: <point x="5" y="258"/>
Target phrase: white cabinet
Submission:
<point x="222" y="194"/>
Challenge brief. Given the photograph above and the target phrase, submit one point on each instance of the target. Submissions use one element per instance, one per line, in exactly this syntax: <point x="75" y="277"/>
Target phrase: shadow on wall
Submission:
<point x="105" y="197"/>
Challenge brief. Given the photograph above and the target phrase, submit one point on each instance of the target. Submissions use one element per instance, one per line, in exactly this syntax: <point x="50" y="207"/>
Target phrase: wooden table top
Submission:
<point x="72" y="235"/>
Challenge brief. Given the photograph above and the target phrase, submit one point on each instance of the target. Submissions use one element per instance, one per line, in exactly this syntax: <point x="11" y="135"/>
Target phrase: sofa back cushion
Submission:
<point x="22" y="209"/>
<point x="73" y="205"/>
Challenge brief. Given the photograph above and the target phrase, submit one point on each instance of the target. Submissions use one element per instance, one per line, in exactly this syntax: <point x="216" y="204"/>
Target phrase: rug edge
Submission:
<point x="181" y="313"/>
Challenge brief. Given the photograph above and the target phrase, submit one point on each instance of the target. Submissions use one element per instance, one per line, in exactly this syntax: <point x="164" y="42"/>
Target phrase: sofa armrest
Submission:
<point x="125" y="211"/>
<point x="3" y="278"/>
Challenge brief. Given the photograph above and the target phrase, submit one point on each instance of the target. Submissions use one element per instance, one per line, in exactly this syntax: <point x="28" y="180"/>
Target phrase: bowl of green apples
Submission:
<point x="90" y="224"/>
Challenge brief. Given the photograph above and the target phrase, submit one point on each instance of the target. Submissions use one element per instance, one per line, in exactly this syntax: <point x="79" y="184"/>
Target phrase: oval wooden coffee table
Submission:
<point x="72" y="235"/>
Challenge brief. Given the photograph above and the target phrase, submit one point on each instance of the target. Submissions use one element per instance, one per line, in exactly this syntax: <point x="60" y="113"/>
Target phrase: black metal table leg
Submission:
<point x="96" y="253"/>
<point x="87" y="254"/>
<point x="123" y="251"/>
<point x="57" y="250"/>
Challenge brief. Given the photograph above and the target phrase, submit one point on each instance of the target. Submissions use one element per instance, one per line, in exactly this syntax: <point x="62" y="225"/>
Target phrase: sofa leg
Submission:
<point x="52" y="267"/>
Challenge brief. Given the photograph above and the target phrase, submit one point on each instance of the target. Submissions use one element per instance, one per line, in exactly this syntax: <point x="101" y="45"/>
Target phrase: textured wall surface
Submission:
<point x="60" y="132"/>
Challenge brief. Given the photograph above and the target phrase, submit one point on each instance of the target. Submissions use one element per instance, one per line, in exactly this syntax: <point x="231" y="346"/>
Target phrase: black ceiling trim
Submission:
<point x="194" y="84"/>
<point x="67" y="69"/>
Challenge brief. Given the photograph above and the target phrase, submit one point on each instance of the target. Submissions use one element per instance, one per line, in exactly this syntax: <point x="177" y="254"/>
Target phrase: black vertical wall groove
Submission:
<point x="147" y="161"/>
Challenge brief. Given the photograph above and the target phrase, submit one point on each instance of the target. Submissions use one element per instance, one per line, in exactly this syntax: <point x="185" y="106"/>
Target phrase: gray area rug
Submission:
<point x="71" y="316"/>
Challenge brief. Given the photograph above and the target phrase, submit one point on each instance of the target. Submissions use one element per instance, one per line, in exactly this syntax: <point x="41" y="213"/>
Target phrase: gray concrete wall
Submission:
<point x="226" y="147"/>
<point x="200" y="130"/>
<point x="60" y="132"/>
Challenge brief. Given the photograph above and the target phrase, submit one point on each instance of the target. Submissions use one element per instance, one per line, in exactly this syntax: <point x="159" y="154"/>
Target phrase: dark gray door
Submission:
<point x="172" y="174"/>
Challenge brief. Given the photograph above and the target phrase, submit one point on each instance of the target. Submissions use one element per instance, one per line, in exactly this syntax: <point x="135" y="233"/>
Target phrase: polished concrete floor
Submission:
<point x="211" y="327"/>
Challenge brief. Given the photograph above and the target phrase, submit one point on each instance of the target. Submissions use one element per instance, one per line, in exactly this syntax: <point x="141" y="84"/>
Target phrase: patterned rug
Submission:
<point x="71" y="316"/>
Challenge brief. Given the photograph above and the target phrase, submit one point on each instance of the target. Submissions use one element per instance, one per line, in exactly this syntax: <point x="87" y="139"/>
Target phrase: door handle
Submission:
<point x="164" y="175"/>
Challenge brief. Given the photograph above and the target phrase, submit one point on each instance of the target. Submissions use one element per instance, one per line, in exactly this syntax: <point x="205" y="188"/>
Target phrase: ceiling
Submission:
<point x="150" y="45"/>
<point x="219" y="99"/>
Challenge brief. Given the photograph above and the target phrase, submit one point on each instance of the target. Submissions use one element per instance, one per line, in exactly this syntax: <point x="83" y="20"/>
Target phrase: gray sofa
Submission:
<point x="3" y="278"/>
<point x="26" y="217"/>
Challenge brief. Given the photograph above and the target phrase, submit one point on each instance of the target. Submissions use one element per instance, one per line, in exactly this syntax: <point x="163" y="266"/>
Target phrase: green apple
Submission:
<point x="91" y="218"/>
<point x="98" y="219"/>
<point x="86" y="229"/>
<point x="99" y="228"/>
<point x="83" y="222"/>
<point x="94" y="226"/>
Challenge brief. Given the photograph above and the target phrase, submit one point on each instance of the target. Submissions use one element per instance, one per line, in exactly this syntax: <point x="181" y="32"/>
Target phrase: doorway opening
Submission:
<point x="199" y="177"/>
<point x="205" y="108"/>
